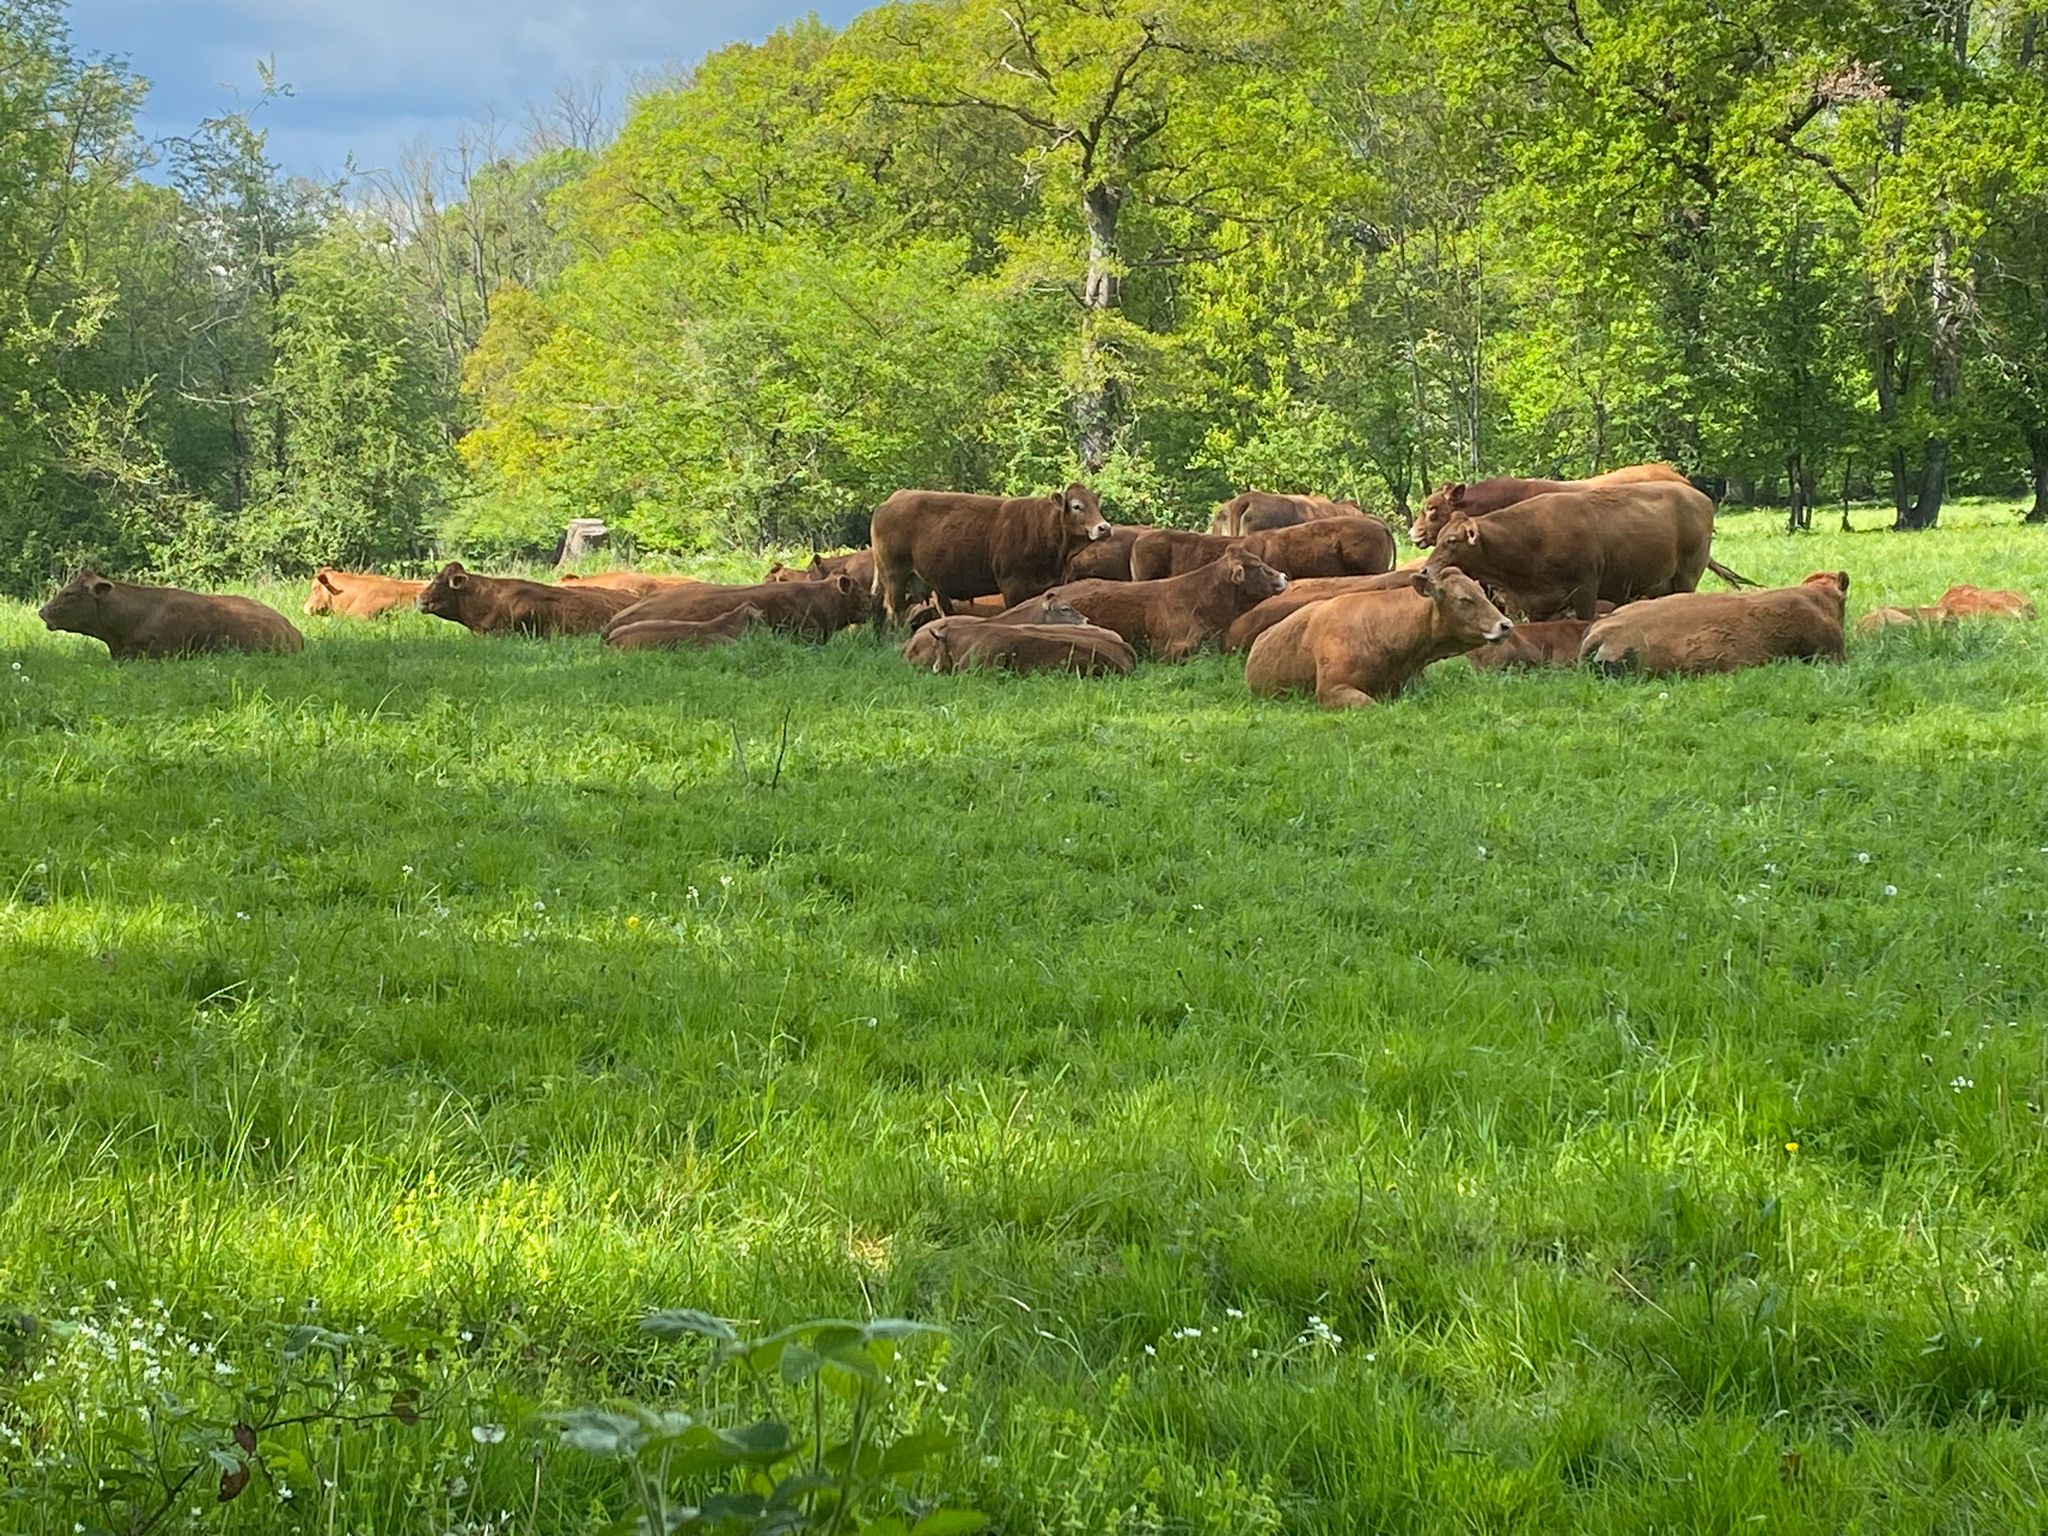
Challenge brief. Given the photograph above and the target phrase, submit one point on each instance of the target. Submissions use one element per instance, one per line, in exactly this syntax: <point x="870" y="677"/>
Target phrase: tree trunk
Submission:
<point x="2037" y="450"/>
<point x="1885" y="376"/>
<point x="1798" y="495"/>
<point x="1848" y="469"/>
<point x="1946" y="308"/>
<point x="1099" y="404"/>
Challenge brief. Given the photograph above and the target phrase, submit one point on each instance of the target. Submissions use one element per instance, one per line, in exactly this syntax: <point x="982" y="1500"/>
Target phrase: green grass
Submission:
<point x="488" y="988"/>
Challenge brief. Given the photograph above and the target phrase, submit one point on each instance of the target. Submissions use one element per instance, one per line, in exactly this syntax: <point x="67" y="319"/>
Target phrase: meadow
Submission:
<point x="1544" y="1103"/>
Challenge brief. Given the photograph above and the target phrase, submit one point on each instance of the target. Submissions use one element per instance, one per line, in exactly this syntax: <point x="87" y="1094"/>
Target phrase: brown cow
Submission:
<point x="1299" y="594"/>
<point x="504" y="605"/>
<point x="974" y="546"/>
<point x="354" y="595"/>
<point x="1553" y="643"/>
<point x="1331" y="546"/>
<point x="1353" y="651"/>
<point x="1983" y="603"/>
<point x="635" y="584"/>
<point x="1173" y="618"/>
<point x="147" y="622"/>
<point x="925" y="612"/>
<point x="814" y="610"/>
<point x="1891" y="618"/>
<point x="956" y="644"/>
<point x="683" y="634"/>
<point x="1262" y="511"/>
<point x="1723" y="631"/>
<point x="1106" y="559"/>
<point x="1484" y="496"/>
<point x="859" y="564"/>
<point x="1559" y="555"/>
<point x="1043" y="609"/>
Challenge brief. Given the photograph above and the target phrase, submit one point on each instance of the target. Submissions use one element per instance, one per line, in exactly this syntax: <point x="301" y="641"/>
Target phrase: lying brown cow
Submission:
<point x="1484" y="496"/>
<point x="1562" y="554"/>
<point x="353" y="595"/>
<point x="635" y="584"/>
<point x="1723" y="631"/>
<point x="976" y="546"/>
<point x="962" y="644"/>
<point x="1262" y="511"/>
<point x="814" y="610"/>
<point x="860" y="565"/>
<point x="147" y="622"/>
<point x="1331" y="546"/>
<point x="504" y="605"/>
<point x="683" y="634"/>
<point x="1106" y="559"/>
<point x="1982" y="603"/>
<point x="1247" y="627"/>
<point x="1553" y="643"/>
<point x="1353" y="651"/>
<point x="1045" y="608"/>
<point x="1173" y="618"/>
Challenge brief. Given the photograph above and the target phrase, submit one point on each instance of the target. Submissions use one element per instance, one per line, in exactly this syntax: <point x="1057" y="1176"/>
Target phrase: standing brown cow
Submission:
<point x="1723" y="631"/>
<point x="149" y="622"/>
<point x="1560" y="555"/>
<point x="978" y="546"/>
<point x="1262" y="511"/>
<point x="1484" y="496"/>
<point x="1352" y="651"/>
<point x="356" y="596"/>
<point x="501" y="605"/>
<point x="815" y="610"/>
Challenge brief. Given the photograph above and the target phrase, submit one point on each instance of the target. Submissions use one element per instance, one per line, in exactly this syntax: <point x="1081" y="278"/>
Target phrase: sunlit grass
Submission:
<point x="488" y="987"/>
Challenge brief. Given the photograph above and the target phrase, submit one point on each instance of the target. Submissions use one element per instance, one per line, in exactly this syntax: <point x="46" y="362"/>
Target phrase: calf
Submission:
<point x="1174" y="618"/>
<point x="1247" y="627"/>
<point x="1553" y="643"/>
<point x="502" y="605"/>
<point x="962" y="644"/>
<point x="1891" y="618"/>
<point x="683" y="634"/>
<point x="1723" y="631"/>
<point x="1352" y="651"/>
<point x="1980" y="603"/>
<point x="859" y="564"/>
<point x="814" y="610"/>
<point x="147" y="622"/>
<point x="353" y="595"/>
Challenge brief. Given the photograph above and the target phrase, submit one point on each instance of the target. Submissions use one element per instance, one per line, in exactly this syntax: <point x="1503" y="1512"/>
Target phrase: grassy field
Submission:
<point x="1541" y="1104"/>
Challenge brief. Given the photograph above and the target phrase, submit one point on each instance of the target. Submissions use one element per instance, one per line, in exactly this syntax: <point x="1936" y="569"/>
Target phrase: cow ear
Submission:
<point x="1842" y="580"/>
<point x="1424" y="583"/>
<point x="457" y="577"/>
<point x="1457" y="491"/>
<point x="1237" y="572"/>
<point x="101" y="586"/>
<point x="325" y="576"/>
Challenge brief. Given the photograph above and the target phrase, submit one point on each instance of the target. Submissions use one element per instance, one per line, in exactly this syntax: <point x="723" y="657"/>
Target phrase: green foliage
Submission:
<point x="827" y="1453"/>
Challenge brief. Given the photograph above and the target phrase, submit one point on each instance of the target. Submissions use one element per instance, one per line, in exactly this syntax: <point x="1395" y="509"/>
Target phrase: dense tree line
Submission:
<point x="1798" y="248"/>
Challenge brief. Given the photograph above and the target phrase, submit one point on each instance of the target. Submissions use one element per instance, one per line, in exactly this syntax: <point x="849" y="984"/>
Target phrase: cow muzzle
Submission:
<point x="1098" y="533"/>
<point x="1501" y="630"/>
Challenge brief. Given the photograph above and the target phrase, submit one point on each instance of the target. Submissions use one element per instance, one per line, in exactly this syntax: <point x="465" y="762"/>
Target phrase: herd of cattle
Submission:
<point x="1518" y="573"/>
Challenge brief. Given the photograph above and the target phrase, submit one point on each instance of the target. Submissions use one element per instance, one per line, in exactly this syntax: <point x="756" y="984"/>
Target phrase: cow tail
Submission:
<point x="1729" y="576"/>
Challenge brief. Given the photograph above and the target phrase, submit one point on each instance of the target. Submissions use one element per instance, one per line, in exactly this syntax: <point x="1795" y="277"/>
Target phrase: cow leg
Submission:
<point x="1336" y="695"/>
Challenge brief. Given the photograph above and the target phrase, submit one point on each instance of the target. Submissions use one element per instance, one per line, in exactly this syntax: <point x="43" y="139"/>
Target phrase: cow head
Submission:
<point x="1438" y="508"/>
<point x="778" y="572"/>
<point x="1460" y="543"/>
<point x="321" y="598"/>
<point x="1057" y="610"/>
<point x="443" y="596"/>
<point x="1463" y="610"/>
<point x="77" y="603"/>
<point x="1081" y="520"/>
<point x="1839" y="580"/>
<point x="1252" y="578"/>
<point x="928" y="649"/>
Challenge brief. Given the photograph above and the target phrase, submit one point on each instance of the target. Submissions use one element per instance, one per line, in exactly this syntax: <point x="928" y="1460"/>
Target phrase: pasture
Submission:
<point x="1543" y="1103"/>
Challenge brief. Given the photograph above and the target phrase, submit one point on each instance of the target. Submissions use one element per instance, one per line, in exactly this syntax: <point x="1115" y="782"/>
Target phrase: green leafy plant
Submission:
<point x="828" y="1451"/>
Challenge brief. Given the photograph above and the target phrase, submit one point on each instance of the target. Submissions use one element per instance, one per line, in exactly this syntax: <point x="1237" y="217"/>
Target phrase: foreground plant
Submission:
<point x="829" y="1451"/>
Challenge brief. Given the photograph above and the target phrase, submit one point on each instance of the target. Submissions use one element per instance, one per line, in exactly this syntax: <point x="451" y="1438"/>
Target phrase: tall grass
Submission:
<point x="1544" y="1103"/>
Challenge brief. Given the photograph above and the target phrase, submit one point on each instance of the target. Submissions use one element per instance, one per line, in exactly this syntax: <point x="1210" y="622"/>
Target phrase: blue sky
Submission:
<point x="374" y="76"/>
